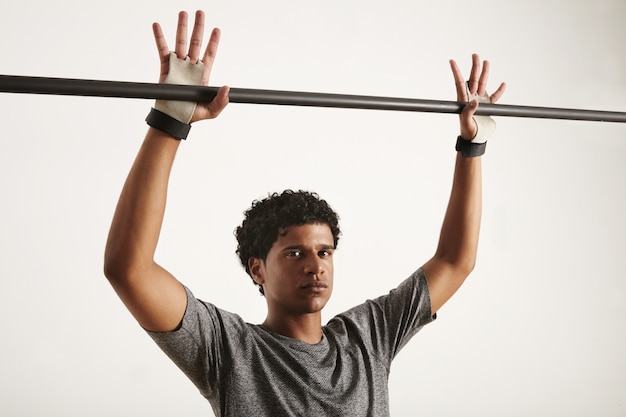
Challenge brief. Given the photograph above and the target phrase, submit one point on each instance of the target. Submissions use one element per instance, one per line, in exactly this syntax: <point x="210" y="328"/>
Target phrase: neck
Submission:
<point x="307" y="327"/>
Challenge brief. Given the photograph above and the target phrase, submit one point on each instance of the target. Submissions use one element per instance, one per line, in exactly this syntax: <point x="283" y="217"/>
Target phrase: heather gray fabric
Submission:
<point x="246" y="370"/>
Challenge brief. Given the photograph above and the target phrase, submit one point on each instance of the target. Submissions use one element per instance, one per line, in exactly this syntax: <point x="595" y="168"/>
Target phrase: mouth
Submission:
<point x="315" y="286"/>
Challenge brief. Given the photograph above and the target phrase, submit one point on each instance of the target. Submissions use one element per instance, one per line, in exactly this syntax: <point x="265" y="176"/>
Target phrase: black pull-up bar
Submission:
<point x="120" y="89"/>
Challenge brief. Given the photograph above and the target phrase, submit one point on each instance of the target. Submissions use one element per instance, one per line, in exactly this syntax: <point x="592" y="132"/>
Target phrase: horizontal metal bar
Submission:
<point x="121" y="89"/>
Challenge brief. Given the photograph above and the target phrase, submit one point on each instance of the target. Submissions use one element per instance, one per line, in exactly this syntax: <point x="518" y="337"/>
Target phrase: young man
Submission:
<point x="291" y="364"/>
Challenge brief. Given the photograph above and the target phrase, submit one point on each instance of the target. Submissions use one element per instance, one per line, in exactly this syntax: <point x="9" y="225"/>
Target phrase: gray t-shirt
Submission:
<point x="246" y="370"/>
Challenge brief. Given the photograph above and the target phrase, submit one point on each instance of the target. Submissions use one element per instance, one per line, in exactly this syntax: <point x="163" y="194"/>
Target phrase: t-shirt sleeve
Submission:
<point x="388" y="322"/>
<point x="196" y="346"/>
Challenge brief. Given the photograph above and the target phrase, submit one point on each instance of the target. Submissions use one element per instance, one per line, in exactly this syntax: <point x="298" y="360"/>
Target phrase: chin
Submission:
<point x="319" y="305"/>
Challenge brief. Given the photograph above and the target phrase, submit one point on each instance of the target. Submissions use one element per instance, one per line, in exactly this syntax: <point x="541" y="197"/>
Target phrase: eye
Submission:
<point x="325" y="253"/>
<point x="293" y="253"/>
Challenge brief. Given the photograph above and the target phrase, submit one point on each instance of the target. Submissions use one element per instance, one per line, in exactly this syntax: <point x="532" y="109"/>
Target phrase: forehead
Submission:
<point x="306" y="233"/>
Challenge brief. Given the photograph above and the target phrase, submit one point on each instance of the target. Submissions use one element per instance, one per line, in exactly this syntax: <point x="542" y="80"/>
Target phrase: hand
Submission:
<point x="202" y="110"/>
<point x="477" y="84"/>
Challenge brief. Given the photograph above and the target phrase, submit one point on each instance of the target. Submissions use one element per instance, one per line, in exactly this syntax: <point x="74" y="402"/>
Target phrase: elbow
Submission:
<point x="117" y="268"/>
<point x="125" y="264"/>
<point x="113" y="270"/>
<point x="462" y="265"/>
<point x="466" y="264"/>
<point x="125" y="267"/>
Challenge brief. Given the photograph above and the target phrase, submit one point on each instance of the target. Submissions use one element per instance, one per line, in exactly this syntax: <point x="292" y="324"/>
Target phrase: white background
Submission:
<point x="538" y="329"/>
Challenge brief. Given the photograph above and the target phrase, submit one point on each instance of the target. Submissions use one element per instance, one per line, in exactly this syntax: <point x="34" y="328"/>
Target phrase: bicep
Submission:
<point x="444" y="279"/>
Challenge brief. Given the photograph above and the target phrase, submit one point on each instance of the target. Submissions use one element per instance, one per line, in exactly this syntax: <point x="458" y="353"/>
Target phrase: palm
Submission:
<point x="192" y="50"/>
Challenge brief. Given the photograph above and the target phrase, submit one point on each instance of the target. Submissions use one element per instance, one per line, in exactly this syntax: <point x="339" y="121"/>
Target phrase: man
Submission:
<point x="290" y="364"/>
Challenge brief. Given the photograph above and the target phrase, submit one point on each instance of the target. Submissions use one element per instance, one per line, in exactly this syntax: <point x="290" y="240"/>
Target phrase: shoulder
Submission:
<point x="388" y="321"/>
<point x="204" y="322"/>
<point x="411" y="293"/>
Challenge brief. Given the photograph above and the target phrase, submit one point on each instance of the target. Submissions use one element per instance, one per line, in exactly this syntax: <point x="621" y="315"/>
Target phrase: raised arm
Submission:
<point x="456" y="252"/>
<point x="154" y="297"/>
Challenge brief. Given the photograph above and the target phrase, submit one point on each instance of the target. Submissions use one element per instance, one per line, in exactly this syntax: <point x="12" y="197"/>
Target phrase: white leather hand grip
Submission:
<point x="181" y="72"/>
<point x="485" y="124"/>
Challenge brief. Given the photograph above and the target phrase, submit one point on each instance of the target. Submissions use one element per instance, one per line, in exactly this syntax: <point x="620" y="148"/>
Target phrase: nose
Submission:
<point x="314" y="266"/>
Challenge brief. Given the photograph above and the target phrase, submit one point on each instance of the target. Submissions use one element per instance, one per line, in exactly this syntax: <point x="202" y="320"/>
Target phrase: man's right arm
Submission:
<point x="155" y="298"/>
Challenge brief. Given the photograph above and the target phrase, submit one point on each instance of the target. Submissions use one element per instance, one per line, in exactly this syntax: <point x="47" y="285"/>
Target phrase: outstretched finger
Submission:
<point x="459" y="82"/>
<point x="163" y="49"/>
<point x="482" y="81"/>
<point x="495" y="96"/>
<point x="181" y="35"/>
<point x="472" y="83"/>
<point x="210" y="53"/>
<point x="196" y="37"/>
<point x="160" y="40"/>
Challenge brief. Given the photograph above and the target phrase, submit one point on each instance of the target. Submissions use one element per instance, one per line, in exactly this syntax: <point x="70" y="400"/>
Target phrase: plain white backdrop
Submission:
<point x="538" y="329"/>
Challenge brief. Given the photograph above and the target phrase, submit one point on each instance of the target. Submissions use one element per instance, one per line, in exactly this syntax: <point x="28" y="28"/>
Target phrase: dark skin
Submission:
<point x="297" y="278"/>
<point x="154" y="296"/>
<point x="303" y="256"/>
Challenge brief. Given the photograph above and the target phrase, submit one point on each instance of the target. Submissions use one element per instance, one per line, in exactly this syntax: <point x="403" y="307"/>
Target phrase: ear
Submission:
<point x="257" y="270"/>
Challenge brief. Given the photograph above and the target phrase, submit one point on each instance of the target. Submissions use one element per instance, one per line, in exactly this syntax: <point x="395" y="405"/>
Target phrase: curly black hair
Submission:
<point x="268" y="217"/>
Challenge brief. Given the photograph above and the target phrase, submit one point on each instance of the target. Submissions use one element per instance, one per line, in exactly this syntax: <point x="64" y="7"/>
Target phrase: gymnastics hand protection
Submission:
<point x="485" y="124"/>
<point x="181" y="72"/>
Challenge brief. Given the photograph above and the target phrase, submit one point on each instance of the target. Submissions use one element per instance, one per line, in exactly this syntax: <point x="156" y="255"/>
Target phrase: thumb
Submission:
<point x="471" y="107"/>
<point x="219" y="102"/>
<point x="212" y="109"/>
<point x="468" y="124"/>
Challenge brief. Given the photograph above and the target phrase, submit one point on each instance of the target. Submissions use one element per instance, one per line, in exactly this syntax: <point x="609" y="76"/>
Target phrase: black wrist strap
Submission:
<point x="469" y="149"/>
<point x="168" y="124"/>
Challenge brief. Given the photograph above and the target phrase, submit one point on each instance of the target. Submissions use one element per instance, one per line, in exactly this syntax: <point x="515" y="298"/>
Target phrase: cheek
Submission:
<point x="330" y="276"/>
<point x="330" y="269"/>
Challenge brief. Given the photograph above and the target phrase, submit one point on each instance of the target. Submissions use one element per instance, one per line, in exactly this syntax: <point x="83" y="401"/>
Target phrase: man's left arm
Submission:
<point x="456" y="252"/>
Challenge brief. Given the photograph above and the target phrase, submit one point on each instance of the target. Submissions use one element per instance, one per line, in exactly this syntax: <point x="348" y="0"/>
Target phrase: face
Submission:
<point x="297" y="275"/>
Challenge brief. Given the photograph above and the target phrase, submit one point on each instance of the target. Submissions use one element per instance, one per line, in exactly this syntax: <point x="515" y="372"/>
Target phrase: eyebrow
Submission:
<point x="301" y="247"/>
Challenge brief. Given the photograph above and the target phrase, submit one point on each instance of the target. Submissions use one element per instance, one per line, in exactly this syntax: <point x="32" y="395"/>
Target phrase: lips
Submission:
<point x="315" y="286"/>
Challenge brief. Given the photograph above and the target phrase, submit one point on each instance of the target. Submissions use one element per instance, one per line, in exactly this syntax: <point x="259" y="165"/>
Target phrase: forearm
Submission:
<point x="458" y="241"/>
<point x="139" y="214"/>
<point x="455" y="256"/>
